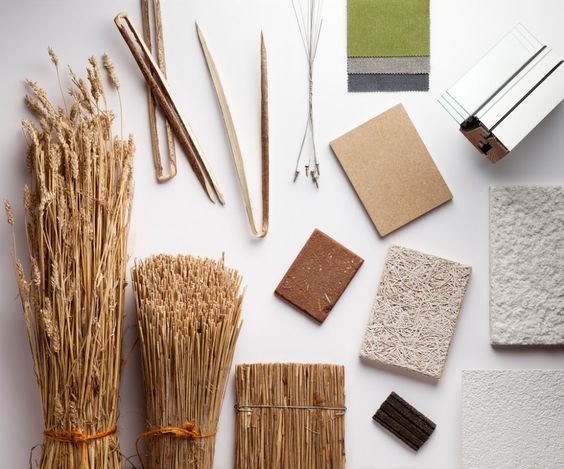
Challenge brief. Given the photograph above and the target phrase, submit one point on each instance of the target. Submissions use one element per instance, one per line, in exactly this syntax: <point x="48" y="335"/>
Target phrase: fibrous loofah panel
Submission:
<point x="527" y="265"/>
<point x="415" y="311"/>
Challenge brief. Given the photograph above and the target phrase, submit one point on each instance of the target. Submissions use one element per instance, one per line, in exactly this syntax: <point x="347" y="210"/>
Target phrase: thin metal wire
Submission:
<point x="245" y="408"/>
<point x="309" y="21"/>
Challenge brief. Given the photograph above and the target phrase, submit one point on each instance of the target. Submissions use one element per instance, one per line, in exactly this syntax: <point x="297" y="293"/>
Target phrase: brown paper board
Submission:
<point x="391" y="170"/>
<point x="319" y="276"/>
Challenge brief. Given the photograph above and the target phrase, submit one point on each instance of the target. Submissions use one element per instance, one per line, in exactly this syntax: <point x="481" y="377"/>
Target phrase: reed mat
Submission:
<point x="290" y="416"/>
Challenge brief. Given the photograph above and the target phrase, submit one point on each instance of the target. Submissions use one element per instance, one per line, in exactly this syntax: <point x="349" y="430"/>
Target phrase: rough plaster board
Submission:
<point x="513" y="419"/>
<point x="527" y="265"/>
<point x="415" y="311"/>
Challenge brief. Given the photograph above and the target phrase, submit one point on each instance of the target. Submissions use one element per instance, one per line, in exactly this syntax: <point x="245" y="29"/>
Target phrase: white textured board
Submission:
<point x="527" y="265"/>
<point x="513" y="419"/>
<point x="415" y="311"/>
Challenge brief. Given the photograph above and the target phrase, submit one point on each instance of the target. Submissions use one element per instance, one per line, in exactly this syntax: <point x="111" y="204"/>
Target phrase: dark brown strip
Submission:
<point x="392" y="426"/>
<point x="404" y="421"/>
<point x="411" y="413"/>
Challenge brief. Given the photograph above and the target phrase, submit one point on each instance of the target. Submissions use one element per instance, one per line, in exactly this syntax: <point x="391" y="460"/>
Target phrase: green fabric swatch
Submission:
<point x="388" y="28"/>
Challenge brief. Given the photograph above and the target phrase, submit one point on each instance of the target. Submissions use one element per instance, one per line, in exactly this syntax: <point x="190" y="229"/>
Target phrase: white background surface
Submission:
<point x="177" y="217"/>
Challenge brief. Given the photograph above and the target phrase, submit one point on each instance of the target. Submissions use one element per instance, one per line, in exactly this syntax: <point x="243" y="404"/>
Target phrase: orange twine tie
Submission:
<point x="188" y="431"/>
<point x="76" y="437"/>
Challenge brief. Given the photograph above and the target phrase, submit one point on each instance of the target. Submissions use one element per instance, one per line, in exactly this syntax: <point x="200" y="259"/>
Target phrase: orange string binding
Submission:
<point x="76" y="437"/>
<point x="188" y="431"/>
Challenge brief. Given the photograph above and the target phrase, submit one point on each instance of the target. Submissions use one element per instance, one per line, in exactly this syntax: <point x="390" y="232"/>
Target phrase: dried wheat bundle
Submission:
<point x="290" y="416"/>
<point x="77" y="207"/>
<point x="188" y="310"/>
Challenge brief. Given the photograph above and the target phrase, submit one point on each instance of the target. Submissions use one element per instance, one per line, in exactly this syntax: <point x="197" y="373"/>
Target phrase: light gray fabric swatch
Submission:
<point x="367" y="82"/>
<point x="410" y="65"/>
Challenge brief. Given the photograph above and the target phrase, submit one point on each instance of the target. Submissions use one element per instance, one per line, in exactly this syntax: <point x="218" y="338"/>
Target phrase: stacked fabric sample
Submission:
<point x="388" y="45"/>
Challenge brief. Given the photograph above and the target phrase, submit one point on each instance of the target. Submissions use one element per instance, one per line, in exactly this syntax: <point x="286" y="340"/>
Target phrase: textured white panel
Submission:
<point x="513" y="419"/>
<point x="527" y="265"/>
<point x="415" y="311"/>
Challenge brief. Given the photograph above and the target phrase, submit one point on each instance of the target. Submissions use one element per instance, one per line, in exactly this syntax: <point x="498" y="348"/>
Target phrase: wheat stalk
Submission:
<point x="188" y="312"/>
<point x="77" y="206"/>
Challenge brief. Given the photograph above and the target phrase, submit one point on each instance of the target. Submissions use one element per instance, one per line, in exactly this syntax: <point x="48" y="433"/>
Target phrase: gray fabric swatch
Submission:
<point x="411" y="65"/>
<point x="359" y="82"/>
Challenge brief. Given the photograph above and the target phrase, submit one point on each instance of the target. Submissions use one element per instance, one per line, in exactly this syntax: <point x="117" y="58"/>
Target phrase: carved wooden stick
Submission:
<point x="183" y="132"/>
<point x="234" y="142"/>
<point x="159" y="48"/>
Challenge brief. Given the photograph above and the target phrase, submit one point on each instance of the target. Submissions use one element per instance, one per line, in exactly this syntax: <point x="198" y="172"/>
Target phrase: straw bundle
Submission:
<point x="188" y="312"/>
<point x="290" y="416"/>
<point x="77" y="207"/>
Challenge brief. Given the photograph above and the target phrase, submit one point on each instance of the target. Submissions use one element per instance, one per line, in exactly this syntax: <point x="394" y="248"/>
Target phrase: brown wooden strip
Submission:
<point x="412" y="414"/>
<point x="404" y="422"/>
<point x="392" y="426"/>
<point x="163" y="96"/>
<point x="152" y="103"/>
<point x="234" y="141"/>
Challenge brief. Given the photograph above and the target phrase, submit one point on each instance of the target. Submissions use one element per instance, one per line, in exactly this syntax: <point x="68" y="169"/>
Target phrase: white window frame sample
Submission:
<point x="507" y="93"/>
